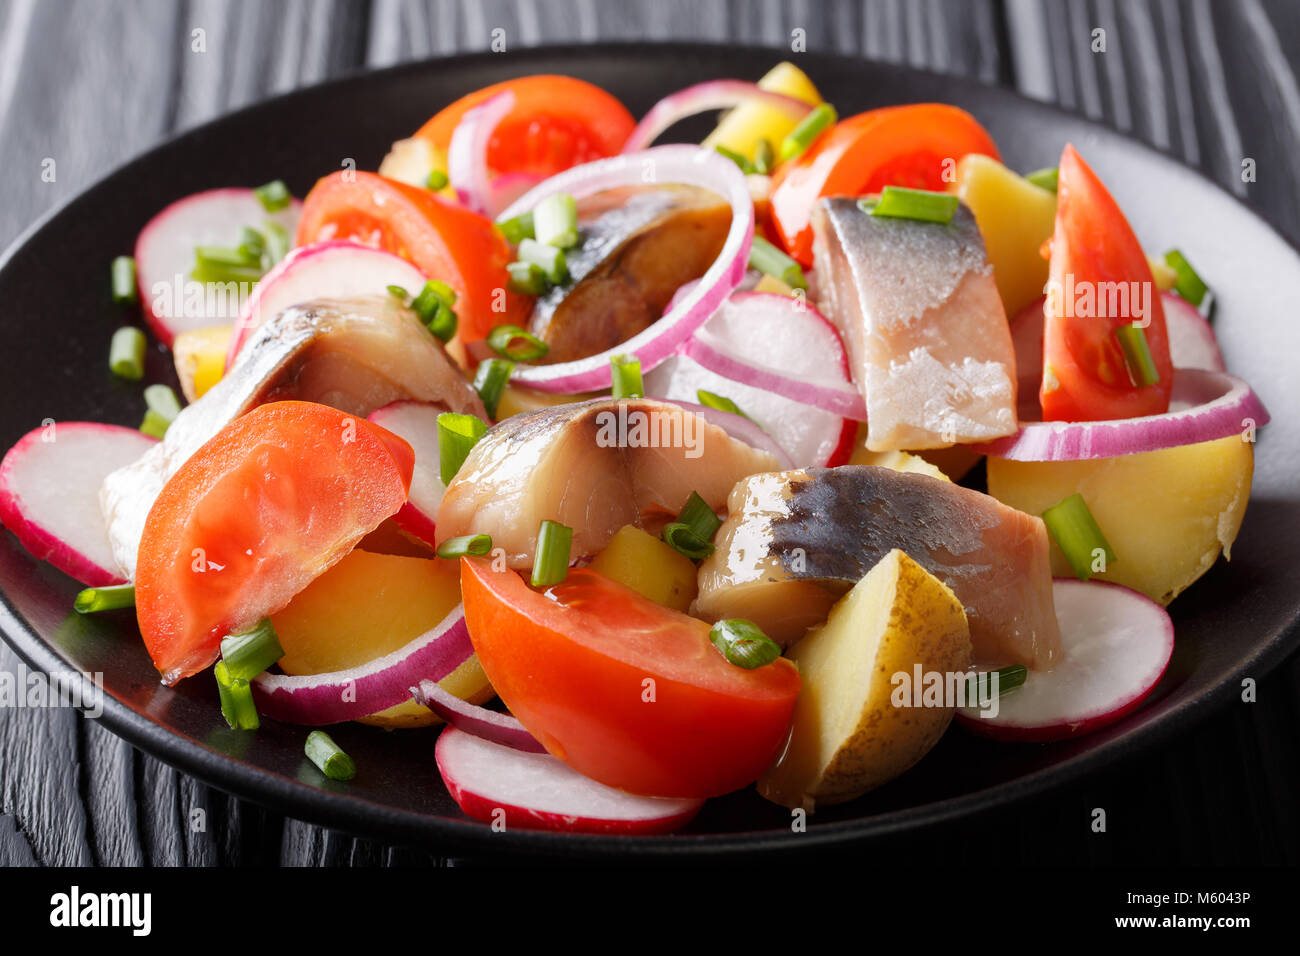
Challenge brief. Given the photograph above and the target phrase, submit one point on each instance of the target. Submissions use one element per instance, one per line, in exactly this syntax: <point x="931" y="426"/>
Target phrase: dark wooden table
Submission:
<point x="91" y="83"/>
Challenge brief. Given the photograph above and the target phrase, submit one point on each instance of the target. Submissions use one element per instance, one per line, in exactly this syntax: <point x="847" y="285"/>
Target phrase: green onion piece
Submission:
<point x="809" y="128"/>
<point x="764" y="157"/>
<point x="126" y="353"/>
<point x="527" y="278"/>
<point x="1046" y="178"/>
<point x="518" y="229"/>
<point x="251" y="244"/>
<point x="154" y="425"/>
<point x="555" y="221"/>
<point x="457" y="434"/>
<point x="625" y="376"/>
<point x="551" y="562"/>
<point x="512" y="342"/>
<point x="125" y="291"/>
<point x="161" y="399"/>
<point x="110" y="598"/>
<point x="745" y="165"/>
<point x="219" y="264"/>
<point x="699" y="517"/>
<point x="273" y="196"/>
<point x="458" y="547"/>
<point x="428" y="299"/>
<point x="549" y="259"/>
<point x="1137" y="354"/>
<point x="1009" y="678"/>
<point x="1189" y="285"/>
<point x="770" y="260"/>
<point x="400" y="294"/>
<point x="236" y="699"/>
<point x="277" y="243"/>
<point x="743" y="643"/>
<point x="437" y="180"/>
<point x="685" y="541"/>
<point x="720" y="402"/>
<point x="1075" y="531"/>
<point x="490" y="382"/>
<point x="899" y="202"/>
<point x="444" y="322"/>
<point x="328" y="758"/>
<point x="248" y="654"/>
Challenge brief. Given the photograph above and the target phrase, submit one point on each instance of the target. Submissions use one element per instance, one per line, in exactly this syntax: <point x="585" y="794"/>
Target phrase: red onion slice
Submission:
<point x="467" y="165"/>
<point x="473" y="719"/>
<point x="1204" y="405"/>
<point x="740" y="428"/>
<point x="689" y="165"/>
<point x="384" y="682"/>
<point x="710" y="95"/>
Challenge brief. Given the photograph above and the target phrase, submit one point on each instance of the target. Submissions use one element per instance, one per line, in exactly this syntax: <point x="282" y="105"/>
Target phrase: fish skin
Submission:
<point x="928" y="339"/>
<point x="504" y="487"/>
<point x="355" y="354"/>
<point x="829" y="526"/>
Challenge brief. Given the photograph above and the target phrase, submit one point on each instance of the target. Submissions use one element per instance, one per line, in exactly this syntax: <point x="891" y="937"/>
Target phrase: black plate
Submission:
<point x="1239" y="620"/>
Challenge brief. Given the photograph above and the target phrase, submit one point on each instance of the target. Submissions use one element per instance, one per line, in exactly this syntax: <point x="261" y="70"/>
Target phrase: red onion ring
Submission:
<point x="467" y="165"/>
<point x="373" y="686"/>
<point x="667" y="164"/>
<point x="710" y="95"/>
<point x="473" y="719"/>
<point x="1204" y="405"/>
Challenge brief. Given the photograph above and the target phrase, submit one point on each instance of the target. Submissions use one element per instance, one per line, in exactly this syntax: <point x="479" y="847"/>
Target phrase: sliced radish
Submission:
<point x="417" y="422"/>
<point x="1191" y="337"/>
<point x="527" y="791"/>
<point x="489" y="724"/>
<point x="164" y="258"/>
<point x="1117" y="645"/>
<point x="49" y="494"/>
<point x="809" y="436"/>
<point x="332" y="269"/>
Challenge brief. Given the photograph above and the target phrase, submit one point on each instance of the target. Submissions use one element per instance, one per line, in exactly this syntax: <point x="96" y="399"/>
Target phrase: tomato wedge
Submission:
<point x="895" y="146"/>
<point x="268" y="504"/>
<point x="626" y="691"/>
<point x="443" y="239"/>
<point x="1099" y="279"/>
<point x="556" y="122"/>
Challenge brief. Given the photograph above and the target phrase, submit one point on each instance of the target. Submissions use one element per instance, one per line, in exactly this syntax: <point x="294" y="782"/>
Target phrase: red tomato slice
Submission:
<point x="556" y="122"/>
<point x="1094" y="251"/>
<point x="443" y="239"/>
<point x="910" y="145"/>
<point x="626" y="691"/>
<point x="273" y="500"/>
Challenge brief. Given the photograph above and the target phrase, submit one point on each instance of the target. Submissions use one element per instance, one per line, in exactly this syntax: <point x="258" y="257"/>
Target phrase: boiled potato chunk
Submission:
<point x="200" y="357"/>
<point x="648" y="566"/>
<point x="848" y="737"/>
<point x="1166" y="514"/>
<point x="1015" y="218"/>
<point x="369" y="605"/>
<point x="742" y="127"/>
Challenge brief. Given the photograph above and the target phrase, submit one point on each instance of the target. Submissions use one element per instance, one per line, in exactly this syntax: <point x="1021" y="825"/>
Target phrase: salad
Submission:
<point x="652" y="473"/>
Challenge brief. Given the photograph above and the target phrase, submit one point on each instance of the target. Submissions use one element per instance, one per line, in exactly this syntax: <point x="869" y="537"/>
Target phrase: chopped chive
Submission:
<point x="1137" y="355"/>
<point x="1189" y="285"/>
<point x="154" y="425"/>
<point x="512" y="342"/>
<point x="549" y="259"/>
<point x="551" y="563"/>
<point x="248" y="654"/>
<point x="277" y="243"/>
<point x="458" y="547"/>
<point x="109" y="598"/>
<point x="527" y="278"/>
<point x="126" y="353"/>
<point x="217" y="264"/>
<point x="1045" y="178"/>
<point x="428" y="299"/>
<point x="1009" y="678"/>
<point x="490" y="382"/>
<point x="518" y="229"/>
<point x="743" y="643"/>
<point x="555" y="221"/>
<point x="699" y="517"/>
<point x="625" y="377"/>
<point x="720" y="402"/>
<point x="770" y="260"/>
<point x="436" y="180"/>
<point x="444" y="322"/>
<point x="764" y="157"/>
<point x="685" y="541"/>
<point x="161" y="399"/>
<point x="236" y="699"/>
<point x="745" y="165"/>
<point x="457" y="434"/>
<point x="125" y="291"/>
<point x="273" y="196"/>
<point x="400" y="294"/>
<point x="1076" y="532"/>
<point x="328" y="758"/>
<point x="251" y="244"/>
<point x="806" y="133"/>
<point x="900" y="202"/>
